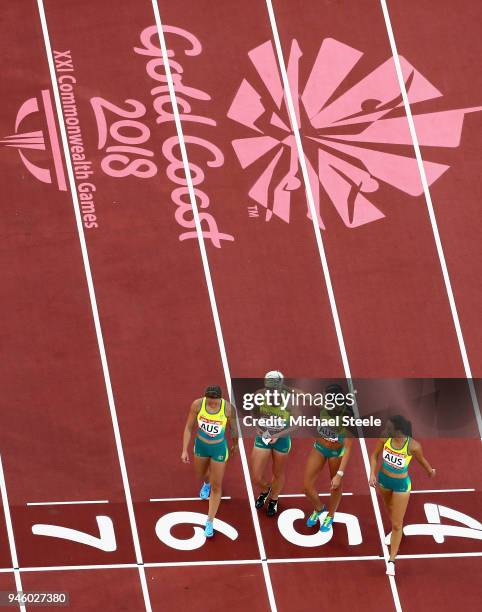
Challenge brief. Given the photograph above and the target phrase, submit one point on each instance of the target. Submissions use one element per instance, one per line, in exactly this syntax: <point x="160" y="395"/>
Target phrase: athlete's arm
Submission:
<point x="294" y="410"/>
<point x="417" y="452"/>
<point x="374" y="461"/>
<point x="258" y="415"/>
<point x="335" y="483"/>
<point x="186" y="437"/>
<point x="233" y="425"/>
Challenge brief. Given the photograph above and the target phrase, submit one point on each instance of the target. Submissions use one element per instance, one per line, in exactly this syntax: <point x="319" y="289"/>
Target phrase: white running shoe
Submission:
<point x="391" y="568"/>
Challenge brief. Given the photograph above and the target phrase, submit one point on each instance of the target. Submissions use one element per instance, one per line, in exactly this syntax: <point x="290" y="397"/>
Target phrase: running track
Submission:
<point x="107" y="341"/>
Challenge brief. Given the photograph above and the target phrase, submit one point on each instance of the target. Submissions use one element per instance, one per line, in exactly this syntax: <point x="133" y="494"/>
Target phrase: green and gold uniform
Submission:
<point x="331" y="442"/>
<point x="283" y="443"/>
<point x="210" y="440"/>
<point x="395" y="461"/>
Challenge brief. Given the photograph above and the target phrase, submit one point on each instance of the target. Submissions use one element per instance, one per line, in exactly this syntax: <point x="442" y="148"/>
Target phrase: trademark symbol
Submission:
<point x="253" y="211"/>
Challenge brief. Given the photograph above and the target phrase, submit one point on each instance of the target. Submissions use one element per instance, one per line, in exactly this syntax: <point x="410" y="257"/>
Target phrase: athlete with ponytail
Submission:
<point x="212" y="413"/>
<point x="332" y="446"/>
<point x="397" y="448"/>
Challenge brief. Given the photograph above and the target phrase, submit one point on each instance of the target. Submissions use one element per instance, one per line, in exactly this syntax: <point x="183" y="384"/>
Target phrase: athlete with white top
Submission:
<point x="272" y="443"/>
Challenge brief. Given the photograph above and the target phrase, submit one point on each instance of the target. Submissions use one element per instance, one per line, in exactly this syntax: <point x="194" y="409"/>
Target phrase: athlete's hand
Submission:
<point x="234" y="449"/>
<point x="185" y="457"/>
<point x="335" y="483"/>
<point x="266" y="437"/>
<point x="373" y="480"/>
<point x="432" y="473"/>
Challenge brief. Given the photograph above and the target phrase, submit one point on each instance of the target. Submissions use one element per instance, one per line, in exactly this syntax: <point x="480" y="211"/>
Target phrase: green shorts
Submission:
<point x="217" y="452"/>
<point x="329" y="452"/>
<point x="399" y="485"/>
<point x="282" y="445"/>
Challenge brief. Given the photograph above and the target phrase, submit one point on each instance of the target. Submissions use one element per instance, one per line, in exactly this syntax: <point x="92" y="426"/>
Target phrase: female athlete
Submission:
<point x="212" y="414"/>
<point x="397" y="448"/>
<point x="333" y="445"/>
<point x="273" y="442"/>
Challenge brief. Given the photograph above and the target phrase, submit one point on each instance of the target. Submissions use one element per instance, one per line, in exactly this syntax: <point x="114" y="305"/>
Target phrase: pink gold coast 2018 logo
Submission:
<point x="352" y="134"/>
<point x="345" y="135"/>
<point x="31" y="112"/>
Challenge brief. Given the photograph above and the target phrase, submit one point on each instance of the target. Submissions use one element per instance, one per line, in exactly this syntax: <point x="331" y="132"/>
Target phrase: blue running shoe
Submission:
<point x="209" y="529"/>
<point x="314" y="516"/>
<point x="205" y="491"/>
<point x="327" y="524"/>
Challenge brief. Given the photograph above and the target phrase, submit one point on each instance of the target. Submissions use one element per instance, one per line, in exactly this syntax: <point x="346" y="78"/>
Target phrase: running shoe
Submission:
<point x="259" y="503"/>
<point x="209" y="529"/>
<point x="205" y="491"/>
<point x="314" y="516"/>
<point x="272" y="508"/>
<point x="391" y="568"/>
<point x="327" y="524"/>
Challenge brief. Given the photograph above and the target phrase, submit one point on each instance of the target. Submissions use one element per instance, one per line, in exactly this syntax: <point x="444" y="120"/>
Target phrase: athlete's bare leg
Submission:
<point x="313" y="468"/>
<point x="216" y="472"/>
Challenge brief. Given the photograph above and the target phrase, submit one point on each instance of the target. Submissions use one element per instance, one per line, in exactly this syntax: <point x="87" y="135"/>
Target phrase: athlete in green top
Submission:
<point x="333" y="445"/>
<point x="273" y="442"/>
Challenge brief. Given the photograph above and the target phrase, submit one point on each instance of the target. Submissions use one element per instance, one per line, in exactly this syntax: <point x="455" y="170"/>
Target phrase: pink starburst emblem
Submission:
<point x="347" y="133"/>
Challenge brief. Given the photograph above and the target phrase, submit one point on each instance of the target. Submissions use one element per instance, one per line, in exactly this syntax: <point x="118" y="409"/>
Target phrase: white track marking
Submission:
<point x="440" y="555"/>
<point x="108" y="566"/>
<point x="93" y="301"/>
<point x="303" y="495"/>
<point x="11" y="538"/>
<point x="289" y="560"/>
<point x="443" y="491"/>
<point x="105" y="541"/>
<point x="326" y="559"/>
<point x="212" y="299"/>
<point x="433" y="219"/>
<point x="68" y="503"/>
<point x="76" y="568"/>
<point x="326" y="273"/>
<point x="197" y="563"/>
<point x="177" y="499"/>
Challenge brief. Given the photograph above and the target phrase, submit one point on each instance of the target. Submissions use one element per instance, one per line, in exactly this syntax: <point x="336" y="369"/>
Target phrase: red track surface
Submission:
<point x="56" y="433"/>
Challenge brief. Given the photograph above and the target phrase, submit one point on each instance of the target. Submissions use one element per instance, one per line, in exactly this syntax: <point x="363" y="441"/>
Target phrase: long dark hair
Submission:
<point x="214" y="391"/>
<point x="401" y="424"/>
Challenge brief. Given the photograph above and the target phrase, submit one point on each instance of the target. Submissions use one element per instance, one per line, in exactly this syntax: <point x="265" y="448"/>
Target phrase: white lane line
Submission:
<point x="200" y="563"/>
<point x="433" y="219"/>
<point x="11" y="537"/>
<point x="227" y="497"/>
<point x="212" y="298"/>
<point x="443" y="491"/>
<point x="329" y="286"/>
<point x="68" y="503"/>
<point x="440" y="555"/>
<point x="327" y="559"/>
<point x="177" y="499"/>
<point x="62" y="568"/>
<point x="93" y="302"/>
<point x="70" y="568"/>
<point x="108" y="566"/>
<point x="303" y="495"/>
